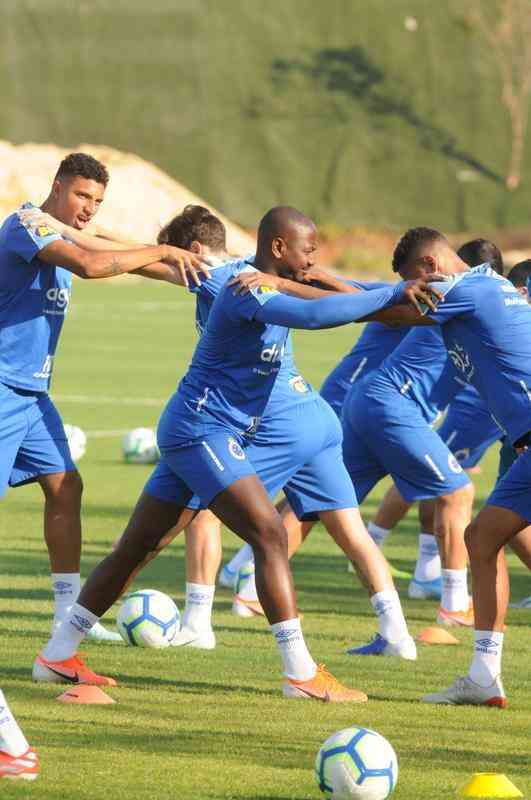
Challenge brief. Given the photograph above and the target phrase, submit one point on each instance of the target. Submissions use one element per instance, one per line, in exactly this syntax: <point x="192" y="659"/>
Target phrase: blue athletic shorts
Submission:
<point x="508" y="456"/>
<point x="32" y="438"/>
<point x="468" y="431"/>
<point x="297" y="449"/>
<point x="513" y="490"/>
<point x="391" y="437"/>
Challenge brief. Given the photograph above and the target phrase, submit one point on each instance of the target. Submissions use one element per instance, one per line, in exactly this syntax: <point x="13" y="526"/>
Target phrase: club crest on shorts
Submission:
<point x="454" y="464"/>
<point x="235" y="449"/>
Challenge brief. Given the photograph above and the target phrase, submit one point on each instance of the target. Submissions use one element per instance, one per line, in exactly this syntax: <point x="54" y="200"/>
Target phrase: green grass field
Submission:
<point x="190" y="724"/>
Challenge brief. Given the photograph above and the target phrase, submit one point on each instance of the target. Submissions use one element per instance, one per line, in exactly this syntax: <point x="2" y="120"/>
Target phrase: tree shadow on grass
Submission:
<point x="351" y="74"/>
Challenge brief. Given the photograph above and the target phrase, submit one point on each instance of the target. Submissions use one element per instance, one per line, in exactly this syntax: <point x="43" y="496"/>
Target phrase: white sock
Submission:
<point x="197" y="614"/>
<point x="377" y="534"/>
<point x="66" y="587"/>
<point x="428" y="561"/>
<point x="244" y="554"/>
<point x="486" y="664"/>
<point x="248" y="590"/>
<point x="454" y="590"/>
<point x="12" y="740"/>
<point x="296" y="659"/>
<point x="70" y="633"/>
<point x="391" y="622"/>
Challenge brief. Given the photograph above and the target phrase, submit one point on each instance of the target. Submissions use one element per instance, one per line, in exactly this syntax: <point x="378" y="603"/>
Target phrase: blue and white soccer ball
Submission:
<point x="148" y="618"/>
<point x="77" y="441"/>
<point x="356" y="763"/>
<point x="139" y="446"/>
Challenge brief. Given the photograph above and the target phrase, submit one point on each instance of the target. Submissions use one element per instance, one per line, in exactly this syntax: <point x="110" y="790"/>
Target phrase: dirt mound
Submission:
<point x="139" y="200"/>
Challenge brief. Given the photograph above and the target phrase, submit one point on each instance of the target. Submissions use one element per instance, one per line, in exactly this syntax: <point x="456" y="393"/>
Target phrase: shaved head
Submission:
<point x="287" y="241"/>
<point x="279" y="222"/>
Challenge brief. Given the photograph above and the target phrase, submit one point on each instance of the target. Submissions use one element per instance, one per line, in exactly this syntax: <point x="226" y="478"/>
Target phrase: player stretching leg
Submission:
<point x="486" y="326"/>
<point x="36" y="266"/>
<point x="286" y="452"/>
<point x="203" y="433"/>
<point x="18" y="761"/>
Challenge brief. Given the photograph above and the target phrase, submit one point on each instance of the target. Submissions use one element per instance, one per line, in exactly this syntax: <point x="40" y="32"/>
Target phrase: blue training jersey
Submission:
<point x="374" y="344"/>
<point x="486" y="325"/>
<point x="290" y="386"/>
<point x="418" y="368"/>
<point x="34" y="298"/>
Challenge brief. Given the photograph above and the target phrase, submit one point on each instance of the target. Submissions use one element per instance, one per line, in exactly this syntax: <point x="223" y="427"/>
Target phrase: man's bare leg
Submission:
<point x="391" y="511"/>
<point x="493" y="528"/>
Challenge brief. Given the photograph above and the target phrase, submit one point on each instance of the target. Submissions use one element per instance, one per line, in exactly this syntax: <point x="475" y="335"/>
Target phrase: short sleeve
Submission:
<point x="27" y="241"/>
<point x="458" y="300"/>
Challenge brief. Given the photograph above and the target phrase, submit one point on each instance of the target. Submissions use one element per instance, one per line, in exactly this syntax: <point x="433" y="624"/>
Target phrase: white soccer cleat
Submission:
<point x="98" y="633"/>
<point x="464" y="692"/>
<point x="202" y="640"/>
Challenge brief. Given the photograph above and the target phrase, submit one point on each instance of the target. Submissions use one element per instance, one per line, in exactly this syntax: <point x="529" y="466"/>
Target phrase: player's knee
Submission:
<point x="270" y="537"/>
<point x="64" y="488"/>
<point x="473" y="541"/>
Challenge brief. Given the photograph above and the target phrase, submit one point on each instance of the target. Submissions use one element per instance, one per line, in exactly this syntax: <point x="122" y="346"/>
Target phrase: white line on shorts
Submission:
<point x="434" y="467"/>
<point x="213" y="456"/>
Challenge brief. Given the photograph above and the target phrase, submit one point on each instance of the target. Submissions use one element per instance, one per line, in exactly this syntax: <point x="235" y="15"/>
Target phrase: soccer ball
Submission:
<point x="356" y="762"/>
<point x="77" y="441"/>
<point x="139" y="446"/>
<point x="148" y="619"/>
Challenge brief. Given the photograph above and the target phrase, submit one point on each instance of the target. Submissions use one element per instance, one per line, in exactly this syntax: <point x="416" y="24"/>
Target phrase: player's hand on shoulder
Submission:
<point x="245" y="281"/>
<point x="186" y="265"/>
<point x="422" y="291"/>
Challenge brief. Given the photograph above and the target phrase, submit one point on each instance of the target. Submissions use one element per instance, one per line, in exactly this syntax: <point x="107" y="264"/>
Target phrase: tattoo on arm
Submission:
<point x="115" y="267"/>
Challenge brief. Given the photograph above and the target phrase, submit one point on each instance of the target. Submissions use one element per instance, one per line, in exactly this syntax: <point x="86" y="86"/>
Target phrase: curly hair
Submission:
<point x="480" y="251"/>
<point x="411" y="242"/>
<point x="194" y="224"/>
<point x="83" y="166"/>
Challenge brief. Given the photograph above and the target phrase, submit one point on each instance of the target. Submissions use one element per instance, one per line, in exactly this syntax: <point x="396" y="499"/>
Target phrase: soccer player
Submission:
<point x="203" y="434"/>
<point x="296" y="448"/>
<point x="18" y="761"/>
<point x="36" y="267"/>
<point x="486" y="326"/>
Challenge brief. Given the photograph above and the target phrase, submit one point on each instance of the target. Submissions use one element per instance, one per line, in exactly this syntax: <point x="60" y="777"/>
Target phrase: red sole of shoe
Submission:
<point x="497" y="702"/>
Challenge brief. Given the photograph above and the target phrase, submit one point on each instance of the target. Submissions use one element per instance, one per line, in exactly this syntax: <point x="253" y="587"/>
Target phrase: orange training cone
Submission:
<point x="85" y="695"/>
<point x="436" y="636"/>
<point x="490" y="784"/>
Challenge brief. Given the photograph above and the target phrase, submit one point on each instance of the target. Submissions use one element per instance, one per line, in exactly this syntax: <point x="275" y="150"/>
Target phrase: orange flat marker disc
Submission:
<point x="86" y="695"/>
<point x="436" y="636"/>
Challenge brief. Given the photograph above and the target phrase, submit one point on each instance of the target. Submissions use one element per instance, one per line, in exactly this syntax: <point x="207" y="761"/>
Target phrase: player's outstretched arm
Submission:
<point x="302" y="288"/>
<point x="87" y="241"/>
<point x="108" y="264"/>
<point x="340" y="309"/>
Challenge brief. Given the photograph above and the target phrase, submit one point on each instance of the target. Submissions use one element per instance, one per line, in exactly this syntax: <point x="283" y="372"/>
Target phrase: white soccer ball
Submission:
<point x="356" y="762"/>
<point x="148" y="618"/>
<point x="77" y="441"/>
<point x="139" y="446"/>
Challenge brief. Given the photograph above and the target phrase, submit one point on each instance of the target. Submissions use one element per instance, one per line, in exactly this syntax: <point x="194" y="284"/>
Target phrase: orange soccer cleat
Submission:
<point x="323" y="686"/>
<point x="24" y="767"/>
<point x="71" y="670"/>
<point x="456" y="618"/>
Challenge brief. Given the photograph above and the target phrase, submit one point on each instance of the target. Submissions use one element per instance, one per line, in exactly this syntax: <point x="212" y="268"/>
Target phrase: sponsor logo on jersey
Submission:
<point x="266" y="289"/>
<point x="235" y="449"/>
<point x="273" y="353"/>
<point x="59" y="297"/>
